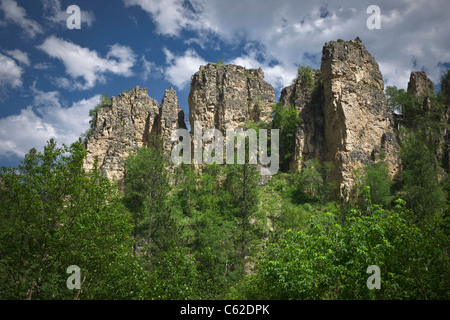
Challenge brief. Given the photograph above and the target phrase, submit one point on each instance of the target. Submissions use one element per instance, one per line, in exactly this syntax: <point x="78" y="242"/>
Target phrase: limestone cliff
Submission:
<point x="170" y="118"/>
<point x="227" y="96"/>
<point x="422" y="88"/>
<point x="346" y="120"/>
<point x="358" y="122"/>
<point x="345" y="117"/>
<point x="127" y="124"/>
<point x="309" y="102"/>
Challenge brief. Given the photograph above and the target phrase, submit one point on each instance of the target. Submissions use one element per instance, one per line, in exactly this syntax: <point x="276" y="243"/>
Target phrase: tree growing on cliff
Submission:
<point x="287" y="120"/>
<point x="105" y="100"/>
<point x="420" y="144"/>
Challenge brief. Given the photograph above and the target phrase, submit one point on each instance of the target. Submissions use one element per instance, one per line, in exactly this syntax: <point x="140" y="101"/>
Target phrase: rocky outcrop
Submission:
<point x="170" y="118"/>
<point x="227" y="96"/>
<point x="127" y="124"/>
<point x="309" y="102"/>
<point x="358" y="123"/>
<point x="422" y="88"/>
<point x="346" y="120"/>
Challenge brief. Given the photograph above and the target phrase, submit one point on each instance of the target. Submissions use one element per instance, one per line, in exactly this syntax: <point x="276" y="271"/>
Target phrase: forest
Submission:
<point x="176" y="233"/>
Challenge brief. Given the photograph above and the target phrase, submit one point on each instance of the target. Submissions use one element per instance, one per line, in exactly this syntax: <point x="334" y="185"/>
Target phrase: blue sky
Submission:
<point x="51" y="76"/>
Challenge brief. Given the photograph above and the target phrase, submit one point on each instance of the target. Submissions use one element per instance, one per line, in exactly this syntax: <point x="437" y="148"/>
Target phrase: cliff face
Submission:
<point x="309" y="101"/>
<point x="345" y="117"/>
<point x="346" y="120"/>
<point x="358" y="123"/>
<point x="170" y="118"/>
<point x="227" y="96"/>
<point x="422" y="88"/>
<point x="127" y="124"/>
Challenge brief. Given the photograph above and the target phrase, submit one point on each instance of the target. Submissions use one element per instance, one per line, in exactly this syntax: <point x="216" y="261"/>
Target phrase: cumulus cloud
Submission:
<point x="172" y="16"/>
<point x="21" y="132"/>
<point x="181" y="68"/>
<point x="15" y="14"/>
<point x="88" y="64"/>
<point x="46" y="118"/>
<point x="413" y="36"/>
<point x="278" y="75"/>
<point x="18" y="55"/>
<point x="10" y="73"/>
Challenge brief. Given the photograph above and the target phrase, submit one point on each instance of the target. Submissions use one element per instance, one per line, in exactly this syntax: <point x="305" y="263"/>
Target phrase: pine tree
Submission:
<point x="146" y="184"/>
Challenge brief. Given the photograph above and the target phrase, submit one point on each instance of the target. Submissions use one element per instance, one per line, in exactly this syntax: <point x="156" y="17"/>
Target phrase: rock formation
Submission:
<point x="227" y="96"/>
<point x="346" y="120"/>
<point x="345" y="117"/>
<point x="170" y="118"/>
<point x="309" y="103"/>
<point x="358" y="123"/>
<point x="422" y="88"/>
<point x="127" y="124"/>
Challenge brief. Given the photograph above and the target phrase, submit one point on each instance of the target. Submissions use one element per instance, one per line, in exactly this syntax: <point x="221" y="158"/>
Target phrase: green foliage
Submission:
<point x="400" y="100"/>
<point x="306" y="75"/>
<point x="52" y="215"/>
<point x="421" y="187"/>
<point x="377" y="178"/>
<point x="219" y="62"/>
<point x="146" y="185"/>
<point x="445" y="87"/>
<point x="313" y="183"/>
<point x="420" y="144"/>
<point x="287" y="121"/>
<point x="340" y="41"/>
<point x="329" y="261"/>
<point x="213" y="232"/>
<point x="358" y="39"/>
<point x="240" y="200"/>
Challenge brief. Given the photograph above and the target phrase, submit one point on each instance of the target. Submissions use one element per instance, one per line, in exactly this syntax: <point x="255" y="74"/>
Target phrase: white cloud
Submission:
<point x="19" y="56"/>
<point x="46" y="118"/>
<point x="10" y="73"/>
<point x="181" y="68"/>
<point x="172" y="16"/>
<point x="277" y="75"/>
<point x="395" y="75"/>
<point x="14" y="13"/>
<point x="87" y="64"/>
<point x="54" y="13"/>
<point x="150" y="69"/>
<point x="19" y="133"/>
<point x="413" y="36"/>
